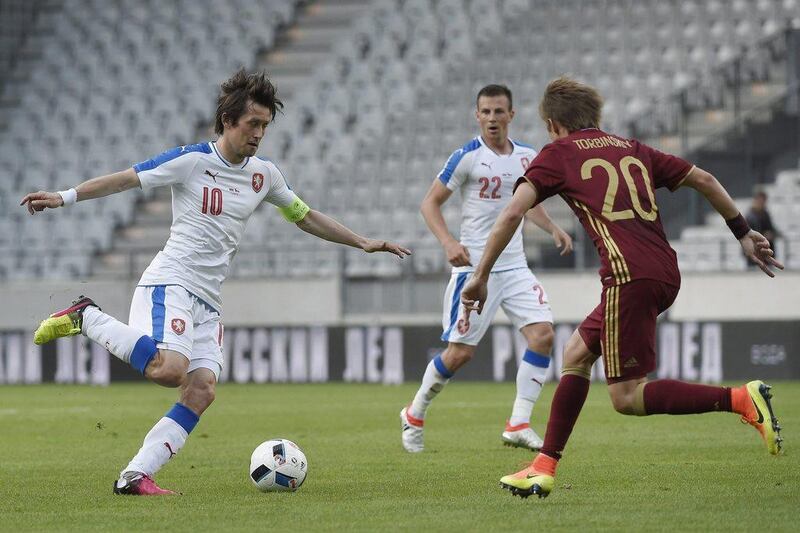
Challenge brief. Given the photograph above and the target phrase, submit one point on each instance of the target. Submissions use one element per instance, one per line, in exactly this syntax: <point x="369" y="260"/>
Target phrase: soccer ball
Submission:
<point x="278" y="465"/>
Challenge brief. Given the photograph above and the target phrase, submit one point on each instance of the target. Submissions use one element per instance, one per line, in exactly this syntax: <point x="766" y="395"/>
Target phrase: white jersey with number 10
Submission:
<point x="212" y="201"/>
<point x="486" y="181"/>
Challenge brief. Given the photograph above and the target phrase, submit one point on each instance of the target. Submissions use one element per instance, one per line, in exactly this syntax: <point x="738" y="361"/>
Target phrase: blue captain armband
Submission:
<point x="295" y="212"/>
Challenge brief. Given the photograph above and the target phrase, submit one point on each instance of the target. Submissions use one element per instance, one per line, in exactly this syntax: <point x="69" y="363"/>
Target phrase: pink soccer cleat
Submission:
<point x="139" y="485"/>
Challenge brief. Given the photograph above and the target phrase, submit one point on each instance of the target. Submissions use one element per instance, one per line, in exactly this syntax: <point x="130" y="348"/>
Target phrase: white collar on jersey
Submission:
<point x="484" y="144"/>
<point x="227" y="163"/>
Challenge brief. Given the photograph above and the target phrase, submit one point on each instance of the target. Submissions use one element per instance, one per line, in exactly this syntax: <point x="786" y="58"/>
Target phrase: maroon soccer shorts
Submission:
<point x="623" y="327"/>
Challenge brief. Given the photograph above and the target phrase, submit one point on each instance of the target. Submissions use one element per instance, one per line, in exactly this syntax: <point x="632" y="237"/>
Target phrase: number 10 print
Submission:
<point x="216" y="202"/>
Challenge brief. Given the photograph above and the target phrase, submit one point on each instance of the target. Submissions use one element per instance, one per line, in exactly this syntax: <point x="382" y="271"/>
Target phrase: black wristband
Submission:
<point x="738" y="226"/>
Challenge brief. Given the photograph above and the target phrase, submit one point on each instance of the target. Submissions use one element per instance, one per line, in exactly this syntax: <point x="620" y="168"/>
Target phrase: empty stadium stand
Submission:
<point x="102" y="85"/>
<point x="377" y="96"/>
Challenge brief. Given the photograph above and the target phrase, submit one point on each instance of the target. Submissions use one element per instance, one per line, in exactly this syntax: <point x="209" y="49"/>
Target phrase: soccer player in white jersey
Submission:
<point x="485" y="170"/>
<point x="174" y="333"/>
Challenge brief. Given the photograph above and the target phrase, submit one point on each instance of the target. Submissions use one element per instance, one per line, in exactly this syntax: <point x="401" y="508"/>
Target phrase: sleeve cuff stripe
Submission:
<point x="677" y="185"/>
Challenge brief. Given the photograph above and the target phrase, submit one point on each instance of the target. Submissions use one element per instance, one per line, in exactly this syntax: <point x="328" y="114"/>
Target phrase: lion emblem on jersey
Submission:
<point x="258" y="181"/>
<point x="178" y="326"/>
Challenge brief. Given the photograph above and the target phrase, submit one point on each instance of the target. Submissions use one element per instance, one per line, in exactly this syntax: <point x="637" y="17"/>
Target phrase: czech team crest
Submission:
<point x="258" y="181"/>
<point x="178" y="326"/>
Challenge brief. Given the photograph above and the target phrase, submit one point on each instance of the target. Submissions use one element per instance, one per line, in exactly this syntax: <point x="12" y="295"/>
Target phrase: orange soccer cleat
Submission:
<point x="753" y="402"/>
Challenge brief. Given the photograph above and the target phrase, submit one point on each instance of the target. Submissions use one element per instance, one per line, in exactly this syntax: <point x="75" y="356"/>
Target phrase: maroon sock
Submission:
<point x="668" y="396"/>
<point x="567" y="404"/>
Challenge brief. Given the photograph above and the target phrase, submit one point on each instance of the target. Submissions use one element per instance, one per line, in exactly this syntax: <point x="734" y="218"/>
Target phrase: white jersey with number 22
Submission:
<point x="486" y="180"/>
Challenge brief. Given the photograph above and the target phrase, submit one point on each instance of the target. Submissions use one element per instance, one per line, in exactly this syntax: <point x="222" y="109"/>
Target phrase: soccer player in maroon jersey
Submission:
<point x="639" y="273"/>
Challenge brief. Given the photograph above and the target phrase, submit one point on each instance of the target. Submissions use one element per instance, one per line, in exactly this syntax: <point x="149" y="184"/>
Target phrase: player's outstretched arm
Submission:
<point x="474" y="294"/>
<point x="324" y="227"/>
<point x="93" y="188"/>
<point x="538" y="215"/>
<point x="755" y="246"/>
<point x="431" y="209"/>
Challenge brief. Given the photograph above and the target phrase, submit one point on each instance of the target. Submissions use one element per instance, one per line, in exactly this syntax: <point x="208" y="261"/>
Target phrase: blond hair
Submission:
<point x="572" y="104"/>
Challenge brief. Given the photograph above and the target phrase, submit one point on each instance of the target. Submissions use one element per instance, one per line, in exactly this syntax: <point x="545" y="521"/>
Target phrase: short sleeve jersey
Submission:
<point x="485" y="180"/>
<point x="212" y="200"/>
<point x="609" y="182"/>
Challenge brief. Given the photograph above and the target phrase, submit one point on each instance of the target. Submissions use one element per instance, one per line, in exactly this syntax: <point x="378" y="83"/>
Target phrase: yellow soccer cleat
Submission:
<point x="759" y="414"/>
<point x="527" y="482"/>
<point x="65" y="323"/>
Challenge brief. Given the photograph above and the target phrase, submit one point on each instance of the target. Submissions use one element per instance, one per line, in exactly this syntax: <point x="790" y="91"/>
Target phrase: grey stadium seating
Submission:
<point x="116" y="81"/>
<point x="110" y="83"/>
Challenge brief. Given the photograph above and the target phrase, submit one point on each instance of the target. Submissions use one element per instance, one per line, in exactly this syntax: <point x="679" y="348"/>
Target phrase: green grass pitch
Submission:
<point x="62" y="446"/>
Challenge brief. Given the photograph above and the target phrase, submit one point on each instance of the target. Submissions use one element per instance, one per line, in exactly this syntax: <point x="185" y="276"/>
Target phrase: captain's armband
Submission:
<point x="295" y="212"/>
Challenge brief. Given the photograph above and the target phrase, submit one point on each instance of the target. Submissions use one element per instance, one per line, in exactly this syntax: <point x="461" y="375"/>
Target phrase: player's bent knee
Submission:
<point x="575" y="358"/>
<point x="457" y="355"/>
<point x="167" y="377"/>
<point x="623" y="403"/>
<point x="167" y="368"/>
<point x="540" y="336"/>
<point x="576" y="354"/>
<point x="544" y="338"/>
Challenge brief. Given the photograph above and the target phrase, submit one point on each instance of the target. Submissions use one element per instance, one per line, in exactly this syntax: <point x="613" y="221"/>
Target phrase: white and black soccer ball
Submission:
<point x="278" y="465"/>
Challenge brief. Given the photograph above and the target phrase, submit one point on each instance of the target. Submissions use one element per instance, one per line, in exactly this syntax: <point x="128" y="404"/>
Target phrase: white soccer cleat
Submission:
<point x="411" y="432"/>
<point x="522" y="436"/>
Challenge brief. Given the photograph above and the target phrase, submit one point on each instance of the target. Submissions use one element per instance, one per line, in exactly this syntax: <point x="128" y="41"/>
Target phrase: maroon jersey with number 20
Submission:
<point x="609" y="182"/>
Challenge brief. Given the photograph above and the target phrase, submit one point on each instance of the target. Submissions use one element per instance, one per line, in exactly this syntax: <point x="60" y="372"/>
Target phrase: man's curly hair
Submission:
<point x="238" y="90"/>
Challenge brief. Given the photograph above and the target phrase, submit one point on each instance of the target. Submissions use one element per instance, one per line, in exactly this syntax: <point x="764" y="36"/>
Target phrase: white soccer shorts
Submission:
<point x="517" y="291"/>
<point x="180" y="321"/>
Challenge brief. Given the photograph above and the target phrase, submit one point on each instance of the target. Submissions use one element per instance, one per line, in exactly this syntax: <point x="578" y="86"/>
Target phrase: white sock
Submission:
<point x="163" y="441"/>
<point x="530" y="377"/>
<point x="433" y="381"/>
<point x="118" y="338"/>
